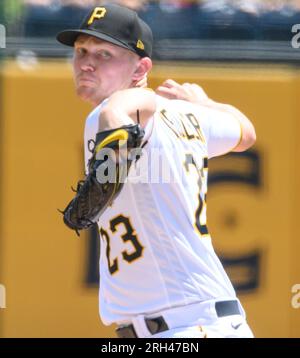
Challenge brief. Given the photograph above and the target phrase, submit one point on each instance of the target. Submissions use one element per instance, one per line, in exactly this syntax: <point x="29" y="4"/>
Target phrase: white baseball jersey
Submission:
<point x="156" y="251"/>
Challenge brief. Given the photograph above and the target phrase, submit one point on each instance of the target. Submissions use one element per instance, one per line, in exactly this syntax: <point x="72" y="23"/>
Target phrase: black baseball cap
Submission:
<point x="115" y="24"/>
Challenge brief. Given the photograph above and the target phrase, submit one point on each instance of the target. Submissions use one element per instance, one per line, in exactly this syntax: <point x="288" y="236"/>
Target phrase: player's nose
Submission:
<point x="87" y="67"/>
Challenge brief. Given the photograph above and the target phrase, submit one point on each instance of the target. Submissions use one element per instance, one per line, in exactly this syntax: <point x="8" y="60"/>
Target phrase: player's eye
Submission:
<point x="80" y="51"/>
<point x="104" y="54"/>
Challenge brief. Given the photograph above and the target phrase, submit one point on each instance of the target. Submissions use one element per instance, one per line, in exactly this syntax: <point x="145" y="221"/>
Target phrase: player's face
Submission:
<point x="101" y="68"/>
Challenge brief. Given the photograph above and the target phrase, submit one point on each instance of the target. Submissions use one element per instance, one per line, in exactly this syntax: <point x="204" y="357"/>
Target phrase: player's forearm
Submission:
<point x="111" y="118"/>
<point x="195" y="94"/>
<point x="122" y="108"/>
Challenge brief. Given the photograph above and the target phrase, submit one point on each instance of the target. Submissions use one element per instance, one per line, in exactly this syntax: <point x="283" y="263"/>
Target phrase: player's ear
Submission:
<point x="143" y="67"/>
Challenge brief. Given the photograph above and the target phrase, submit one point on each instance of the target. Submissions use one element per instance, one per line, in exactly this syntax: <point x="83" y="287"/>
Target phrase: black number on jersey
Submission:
<point x="189" y="160"/>
<point x="112" y="267"/>
<point x="129" y="235"/>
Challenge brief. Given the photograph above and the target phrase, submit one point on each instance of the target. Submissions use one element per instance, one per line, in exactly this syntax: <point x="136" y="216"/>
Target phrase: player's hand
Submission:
<point x="142" y="83"/>
<point x="188" y="92"/>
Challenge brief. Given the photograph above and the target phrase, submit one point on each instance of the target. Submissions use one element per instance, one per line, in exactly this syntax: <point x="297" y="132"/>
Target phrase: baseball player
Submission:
<point x="159" y="274"/>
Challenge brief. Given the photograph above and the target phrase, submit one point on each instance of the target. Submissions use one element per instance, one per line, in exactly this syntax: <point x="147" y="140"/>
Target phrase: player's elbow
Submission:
<point x="248" y="139"/>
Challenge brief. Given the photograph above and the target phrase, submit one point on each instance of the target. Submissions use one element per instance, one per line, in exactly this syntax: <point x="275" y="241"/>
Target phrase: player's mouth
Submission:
<point x="86" y="79"/>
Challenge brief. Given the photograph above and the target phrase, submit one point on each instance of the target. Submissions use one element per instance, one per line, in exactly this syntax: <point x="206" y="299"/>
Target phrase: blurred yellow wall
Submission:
<point x="253" y="203"/>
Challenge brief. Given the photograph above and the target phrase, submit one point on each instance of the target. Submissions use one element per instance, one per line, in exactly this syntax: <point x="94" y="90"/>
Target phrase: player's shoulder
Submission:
<point x="176" y="105"/>
<point x="93" y="116"/>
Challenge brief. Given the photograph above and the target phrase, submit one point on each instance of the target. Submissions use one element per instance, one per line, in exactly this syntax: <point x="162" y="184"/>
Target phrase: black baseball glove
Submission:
<point x="106" y="176"/>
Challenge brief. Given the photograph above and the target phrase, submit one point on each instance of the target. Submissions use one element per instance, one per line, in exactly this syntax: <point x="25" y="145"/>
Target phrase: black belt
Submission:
<point x="158" y="324"/>
<point x="154" y="325"/>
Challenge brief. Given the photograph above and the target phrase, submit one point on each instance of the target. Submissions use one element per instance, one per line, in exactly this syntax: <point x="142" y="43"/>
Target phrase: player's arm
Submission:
<point x="121" y="108"/>
<point x="110" y="155"/>
<point x="195" y="94"/>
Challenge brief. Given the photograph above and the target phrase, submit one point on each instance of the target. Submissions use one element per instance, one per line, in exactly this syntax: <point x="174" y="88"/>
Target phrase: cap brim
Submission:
<point x="68" y="37"/>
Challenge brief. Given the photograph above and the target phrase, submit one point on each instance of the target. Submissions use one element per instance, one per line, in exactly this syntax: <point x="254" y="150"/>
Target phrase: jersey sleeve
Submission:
<point x="223" y="132"/>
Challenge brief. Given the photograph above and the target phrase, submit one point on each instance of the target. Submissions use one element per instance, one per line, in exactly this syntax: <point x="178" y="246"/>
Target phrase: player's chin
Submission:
<point x="85" y="93"/>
